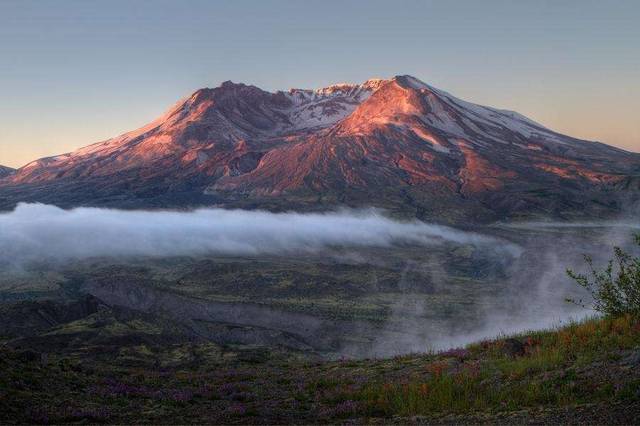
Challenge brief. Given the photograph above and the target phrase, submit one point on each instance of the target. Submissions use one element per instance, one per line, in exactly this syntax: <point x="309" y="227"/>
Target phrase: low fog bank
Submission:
<point x="44" y="232"/>
<point x="533" y="296"/>
<point x="532" y="292"/>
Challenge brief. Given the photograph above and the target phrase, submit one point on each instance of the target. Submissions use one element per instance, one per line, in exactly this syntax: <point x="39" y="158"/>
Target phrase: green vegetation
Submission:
<point x="615" y="289"/>
<point x="582" y="363"/>
<point x="564" y="367"/>
<point x="591" y="367"/>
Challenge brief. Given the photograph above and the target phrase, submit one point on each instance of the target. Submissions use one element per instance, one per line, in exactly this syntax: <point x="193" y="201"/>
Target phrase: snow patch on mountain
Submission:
<point x="474" y="114"/>
<point x="328" y="105"/>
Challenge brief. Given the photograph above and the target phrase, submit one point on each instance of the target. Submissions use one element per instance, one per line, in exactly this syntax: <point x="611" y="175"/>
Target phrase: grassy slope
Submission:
<point x="584" y="372"/>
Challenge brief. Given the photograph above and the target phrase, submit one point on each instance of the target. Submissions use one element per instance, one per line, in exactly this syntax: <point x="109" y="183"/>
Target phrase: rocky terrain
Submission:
<point x="5" y="171"/>
<point x="398" y="144"/>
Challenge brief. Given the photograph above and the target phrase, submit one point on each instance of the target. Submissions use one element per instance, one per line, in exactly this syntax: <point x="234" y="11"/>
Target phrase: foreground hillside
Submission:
<point x="582" y="373"/>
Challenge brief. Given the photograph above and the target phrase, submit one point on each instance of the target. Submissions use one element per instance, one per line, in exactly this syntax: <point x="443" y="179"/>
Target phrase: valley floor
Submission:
<point x="582" y="373"/>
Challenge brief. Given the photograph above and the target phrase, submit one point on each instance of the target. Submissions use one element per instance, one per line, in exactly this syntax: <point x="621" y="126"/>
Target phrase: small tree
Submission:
<point x="616" y="289"/>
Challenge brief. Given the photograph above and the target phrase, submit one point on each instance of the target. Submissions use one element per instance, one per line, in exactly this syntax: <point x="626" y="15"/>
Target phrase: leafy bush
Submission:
<point x="616" y="289"/>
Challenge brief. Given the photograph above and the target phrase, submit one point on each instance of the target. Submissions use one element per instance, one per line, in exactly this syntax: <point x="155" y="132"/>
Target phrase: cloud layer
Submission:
<point x="44" y="232"/>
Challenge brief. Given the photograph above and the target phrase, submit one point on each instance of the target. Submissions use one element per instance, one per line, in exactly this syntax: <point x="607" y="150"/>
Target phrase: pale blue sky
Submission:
<point x="75" y="72"/>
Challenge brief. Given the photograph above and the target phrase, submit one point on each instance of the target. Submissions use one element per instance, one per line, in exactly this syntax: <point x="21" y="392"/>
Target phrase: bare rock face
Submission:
<point x="5" y="171"/>
<point x="399" y="144"/>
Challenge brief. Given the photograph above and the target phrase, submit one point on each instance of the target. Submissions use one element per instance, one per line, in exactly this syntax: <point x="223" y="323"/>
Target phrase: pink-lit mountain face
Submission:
<point x="399" y="144"/>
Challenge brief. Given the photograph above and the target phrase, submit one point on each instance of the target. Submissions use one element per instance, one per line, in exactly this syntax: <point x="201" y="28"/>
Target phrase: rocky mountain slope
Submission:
<point x="5" y="171"/>
<point x="398" y="144"/>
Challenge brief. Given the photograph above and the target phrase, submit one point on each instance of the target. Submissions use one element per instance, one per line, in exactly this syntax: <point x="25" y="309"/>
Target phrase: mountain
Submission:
<point x="5" y="171"/>
<point x="398" y="143"/>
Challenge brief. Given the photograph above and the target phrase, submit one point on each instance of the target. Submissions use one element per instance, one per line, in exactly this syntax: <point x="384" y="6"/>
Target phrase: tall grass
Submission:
<point x="489" y="379"/>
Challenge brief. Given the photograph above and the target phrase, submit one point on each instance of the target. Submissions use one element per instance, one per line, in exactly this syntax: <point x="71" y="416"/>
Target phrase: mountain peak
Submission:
<point x="226" y="87"/>
<point x="344" y="88"/>
<point x="411" y="81"/>
<point x="230" y="84"/>
<point x="383" y="136"/>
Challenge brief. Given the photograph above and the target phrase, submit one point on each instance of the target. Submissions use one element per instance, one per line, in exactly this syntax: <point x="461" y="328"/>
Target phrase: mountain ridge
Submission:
<point x="397" y="143"/>
<point x="6" y="171"/>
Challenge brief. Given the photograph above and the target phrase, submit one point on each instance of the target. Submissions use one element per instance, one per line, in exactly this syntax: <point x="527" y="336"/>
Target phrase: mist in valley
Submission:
<point x="534" y="294"/>
<point x="44" y="232"/>
<point x="522" y="265"/>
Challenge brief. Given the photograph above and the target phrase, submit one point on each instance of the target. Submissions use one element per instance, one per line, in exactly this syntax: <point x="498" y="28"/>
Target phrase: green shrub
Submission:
<point x="616" y="289"/>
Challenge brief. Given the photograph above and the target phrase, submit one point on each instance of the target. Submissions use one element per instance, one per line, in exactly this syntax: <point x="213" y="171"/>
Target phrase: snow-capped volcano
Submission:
<point x="397" y="143"/>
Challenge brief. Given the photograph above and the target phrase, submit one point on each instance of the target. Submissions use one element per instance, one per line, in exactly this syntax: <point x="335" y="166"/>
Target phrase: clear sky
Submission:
<point x="76" y="72"/>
